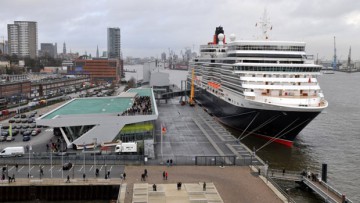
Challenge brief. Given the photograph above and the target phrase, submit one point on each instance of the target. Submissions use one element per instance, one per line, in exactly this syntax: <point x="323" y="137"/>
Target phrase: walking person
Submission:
<point x="283" y="172"/>
<point x="84" y="176"/>
<point x="154" y="187"/>
<point x="68" y="179"/>
<point x="124" y="176"/>
<point x="108" y="174"/>
<point x="166" y="175"/>
<point x="16" y="167"/>
<point x="13" y="178"/>
<point x="145" y="173"/>
<point x="204" y="186"/>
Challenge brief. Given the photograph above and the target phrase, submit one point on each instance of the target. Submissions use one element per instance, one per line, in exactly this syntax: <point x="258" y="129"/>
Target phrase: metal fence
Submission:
<point x="46" y="158"/>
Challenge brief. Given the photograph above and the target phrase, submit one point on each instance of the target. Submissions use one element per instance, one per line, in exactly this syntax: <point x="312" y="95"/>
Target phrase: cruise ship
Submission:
<point x="260" y="87"/>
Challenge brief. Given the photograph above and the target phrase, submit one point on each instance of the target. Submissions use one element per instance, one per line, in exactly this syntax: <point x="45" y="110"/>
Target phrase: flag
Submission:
<point x="271" y="28"/>
<point x="309" y="80"/>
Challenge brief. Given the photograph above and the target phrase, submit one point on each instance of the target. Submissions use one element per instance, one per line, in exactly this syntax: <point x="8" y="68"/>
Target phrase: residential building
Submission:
<point x="23" y="39"/>
<point x="114" y="43"/>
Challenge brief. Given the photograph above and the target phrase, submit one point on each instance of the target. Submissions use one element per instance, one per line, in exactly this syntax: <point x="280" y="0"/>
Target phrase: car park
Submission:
<point x="26" y="138"/>
<point x="67" y="166"/>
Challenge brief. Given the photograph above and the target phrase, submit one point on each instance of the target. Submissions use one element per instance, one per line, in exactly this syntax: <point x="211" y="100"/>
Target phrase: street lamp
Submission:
<point x="62" y="160"/>
<point x="95" y="140"/>
<point x="84" y="148"/>
<point x="30" y="148"/>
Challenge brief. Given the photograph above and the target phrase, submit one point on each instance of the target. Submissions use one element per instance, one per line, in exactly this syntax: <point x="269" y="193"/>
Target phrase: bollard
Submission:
<point x="324" y="173"/>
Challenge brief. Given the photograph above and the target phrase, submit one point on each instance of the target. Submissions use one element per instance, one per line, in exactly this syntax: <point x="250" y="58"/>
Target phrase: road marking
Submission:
<point x="51" y="168"/>
<point x="20" y="168"/>
<point x="31" y="168"/>
<point x="110" y="168"/>
<point x="81" y="168"/>
<point x="11" y="168"/>
<point x="49" y="130"/>
<point x="91" y="168"/>
<point x="101" y="167"/>
<point x="60" y="169"/>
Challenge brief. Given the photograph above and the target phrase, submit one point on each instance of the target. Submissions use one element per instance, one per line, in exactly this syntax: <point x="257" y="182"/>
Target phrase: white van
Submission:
<point x="126" y="147"/>
<point x="12" y="151"/>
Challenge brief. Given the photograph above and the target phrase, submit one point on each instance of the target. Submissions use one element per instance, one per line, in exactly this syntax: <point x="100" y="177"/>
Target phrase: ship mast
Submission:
<point x="265" y="26"/>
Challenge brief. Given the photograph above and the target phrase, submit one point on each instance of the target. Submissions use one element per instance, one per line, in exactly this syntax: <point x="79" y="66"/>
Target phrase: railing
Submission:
<point x="319" y="191"/>
<point x="286" y="195"/>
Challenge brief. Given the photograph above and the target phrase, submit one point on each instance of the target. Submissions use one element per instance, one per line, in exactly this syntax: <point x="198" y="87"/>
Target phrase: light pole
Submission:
<point x="95" y="140"/>
<point x="62" y="160"/>
<point x="30" y="148"/>
<point x="84" y="148"/>
<point x="51" y="174"/>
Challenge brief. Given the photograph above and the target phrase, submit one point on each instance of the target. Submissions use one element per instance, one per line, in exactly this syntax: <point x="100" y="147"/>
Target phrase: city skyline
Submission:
<point x="150" y="28"/>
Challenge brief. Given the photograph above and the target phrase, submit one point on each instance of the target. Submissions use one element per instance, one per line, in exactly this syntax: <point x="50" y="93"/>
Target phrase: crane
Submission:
<point x="334" y="62"/>
<point x="192" y="90"/>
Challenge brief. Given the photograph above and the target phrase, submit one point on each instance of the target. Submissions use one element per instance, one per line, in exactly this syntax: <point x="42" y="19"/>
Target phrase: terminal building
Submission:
<point x="129" y="116"/>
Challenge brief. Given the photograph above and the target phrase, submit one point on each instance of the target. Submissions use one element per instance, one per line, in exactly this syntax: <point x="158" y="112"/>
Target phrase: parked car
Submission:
<point x="17" y="121"/>
<point x="30" y="120"/>
<point x="9" y="139"/>
<point x="38" y="130"/>
<point x="23" y="116"/>
<point x="34" y="133"/>
<point x="24" y="120"/>
<point x="26" y="138"/>
<point x="25" y="126"/>
<point x="33" y="125"/>
<point x="15" y="132"/>
<point x="27" y="133"/>
<point x="11" y="121"/>
<point x="5" y="127"/>
<point x="2" y="138"/>
<point x="67" y="166"/>
<point x="17" y="116"/>
<point x="4" y="133"/>
<point x="17" y="127"/>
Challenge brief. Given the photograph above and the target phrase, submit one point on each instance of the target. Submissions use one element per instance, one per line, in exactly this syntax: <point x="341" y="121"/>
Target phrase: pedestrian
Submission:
<point x="108" y="174"/>
<point x="124" y="175"/>
<point x="283" y="171"/>
<point x="145" y="173"/>
<point x="142" y="177"/>
<point x="47" y="147"/>
<point x="171" y="162"/>
<point x="17" y="167"/>
<point x="167" y="162"/>
<point x="84" y="176"/>
<point x="179" y="185"/>
<point x="41" y="171"/>
<point x="13" y="177"/>
<point x="3" y="177"/>
<point x="154" y="187"/>
<point x="68" y="179"/>
<point x="204" y="186"/>
<point x="164" y="175"/>
<point x="97" y="172"/>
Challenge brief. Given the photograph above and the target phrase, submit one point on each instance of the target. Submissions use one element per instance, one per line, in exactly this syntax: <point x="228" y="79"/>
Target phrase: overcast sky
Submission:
<point x="149" y="27"/>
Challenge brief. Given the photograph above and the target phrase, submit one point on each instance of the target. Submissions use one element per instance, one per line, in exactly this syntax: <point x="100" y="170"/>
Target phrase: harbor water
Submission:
<point x="333" y="137"/>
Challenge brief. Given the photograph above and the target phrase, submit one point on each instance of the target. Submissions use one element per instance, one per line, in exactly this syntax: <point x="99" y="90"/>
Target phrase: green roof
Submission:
<point x="101" y="105"/>
<point x="93" y="106"/>
<point x="142" y="92"/>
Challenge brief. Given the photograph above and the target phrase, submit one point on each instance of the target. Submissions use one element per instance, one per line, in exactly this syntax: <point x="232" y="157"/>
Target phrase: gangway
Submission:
<point x="323" y="189"/>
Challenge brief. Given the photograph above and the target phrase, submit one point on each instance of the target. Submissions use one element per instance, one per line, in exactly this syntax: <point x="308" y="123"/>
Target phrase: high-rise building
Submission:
<point x="114" y="43"/>
<point x="64" y="48"/>
<point x="97" y="51"/>
<point x="163" y="56"/>
<point x="48" y="49"/>
<point x="23" y="39"/>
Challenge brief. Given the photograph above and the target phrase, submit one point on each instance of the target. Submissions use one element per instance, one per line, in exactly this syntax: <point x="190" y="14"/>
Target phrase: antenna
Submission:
<point x="264" y="25"/>
<point x="334" y="62"/>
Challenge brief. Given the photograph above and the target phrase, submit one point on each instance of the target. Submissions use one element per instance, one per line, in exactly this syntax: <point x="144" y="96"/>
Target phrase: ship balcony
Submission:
<point x="291" y="101"/>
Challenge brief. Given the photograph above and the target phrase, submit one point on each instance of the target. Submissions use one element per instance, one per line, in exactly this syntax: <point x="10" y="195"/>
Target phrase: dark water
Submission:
<point x="332" y="138"/>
